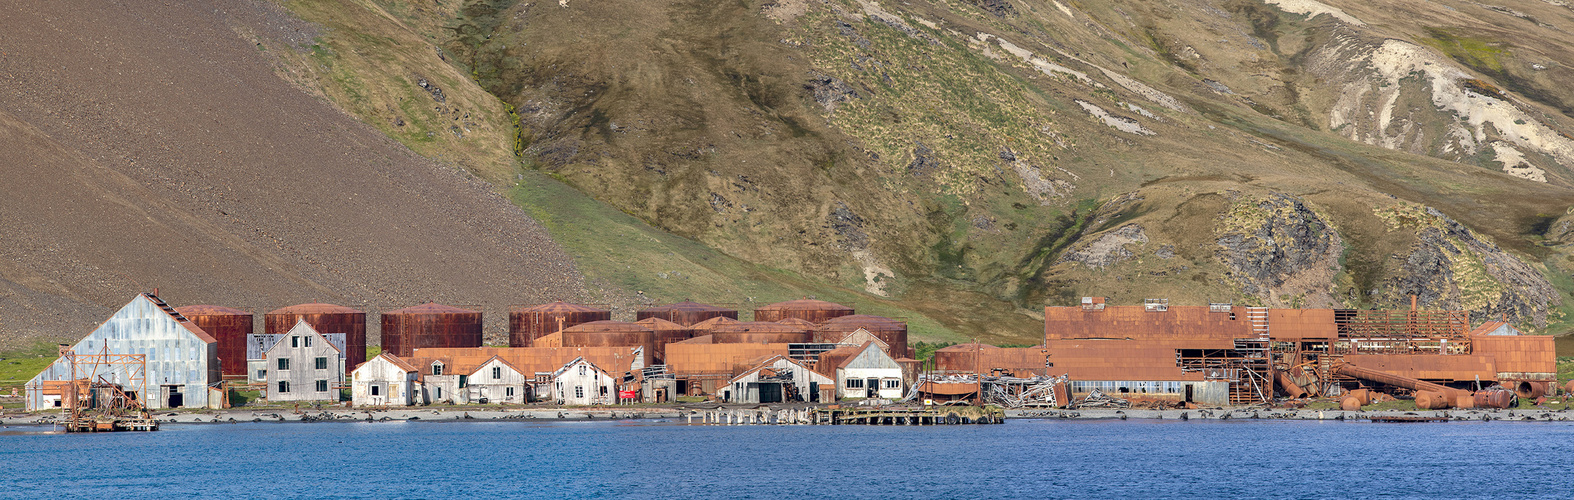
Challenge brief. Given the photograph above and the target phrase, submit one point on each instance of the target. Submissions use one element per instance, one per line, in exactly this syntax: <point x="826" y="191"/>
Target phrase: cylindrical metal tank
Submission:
<point x="1529" y="390"/>
<point x="666" y="332"/>
<point x="890" y="331"/>
<point x="1362" y="395"/>
<point x="1569" y="388"/>
<point x="611" y="334"/>
<point x="760" y="332"/>
<point x="1494" y="398"/>
<point x="814" y="311"/>
<point x="800" y="323"/>
<point x="430" y="325"/>
<point x="1430" y="400"/>
<point x="230" y="327"/>
<point x="705" y="327"/>
<point x="325" y="318"/>
<point x="686" y="313"/>
<point x="1350" y="404"/>
<point x="528" y="323"/>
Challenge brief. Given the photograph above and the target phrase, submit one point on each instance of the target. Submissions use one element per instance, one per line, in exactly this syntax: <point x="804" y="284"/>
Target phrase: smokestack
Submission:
<point x="1412" y="303"/>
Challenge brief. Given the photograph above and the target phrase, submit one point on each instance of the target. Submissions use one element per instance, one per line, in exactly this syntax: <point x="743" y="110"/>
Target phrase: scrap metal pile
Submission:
<point x="1097" y="399"/>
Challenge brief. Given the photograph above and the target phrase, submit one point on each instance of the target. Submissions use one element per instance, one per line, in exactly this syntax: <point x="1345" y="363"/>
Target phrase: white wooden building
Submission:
<point x="870" y="372"/>
<point x="181" y="361"/>
<point x="580" y="382"/>
<point x="385" y="380"/>
<point x="257" y="345"/>
<point x="498" y="381"/>
<point x="778" y="379"/>
<point x="442" y="382"/>
<point x="304" y="366"/>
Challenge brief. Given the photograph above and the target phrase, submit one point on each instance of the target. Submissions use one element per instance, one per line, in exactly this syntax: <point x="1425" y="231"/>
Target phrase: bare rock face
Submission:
<point x="1110" y="248"/>
<point x="1280" y="251"/>
<point x="1450" y="267"/>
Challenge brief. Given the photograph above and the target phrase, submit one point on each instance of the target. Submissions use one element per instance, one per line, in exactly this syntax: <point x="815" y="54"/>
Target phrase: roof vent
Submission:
<point x="1155" y="305"/>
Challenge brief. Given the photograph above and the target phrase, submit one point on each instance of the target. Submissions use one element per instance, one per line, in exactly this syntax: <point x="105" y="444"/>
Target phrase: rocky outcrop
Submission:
<point x="1280" y="251"/>
<point x="1110" y="248"/>
<point x="1450" y="267"/>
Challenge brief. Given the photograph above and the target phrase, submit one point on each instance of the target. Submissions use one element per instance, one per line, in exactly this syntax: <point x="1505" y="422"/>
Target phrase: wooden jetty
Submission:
<point x="836" y="415"/>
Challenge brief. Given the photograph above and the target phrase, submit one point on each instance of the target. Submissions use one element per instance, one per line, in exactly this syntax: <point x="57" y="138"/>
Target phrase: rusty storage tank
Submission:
<point x="1529" y="390"/>
<point x="760" y="332"/>
<point x="610" y="334"/>
<point x="1350" y="404"/>
<point x="800" y="323"/>
<point x="686" y="313"/>
<point x="1494" y="398"/>
<point x="666" y="332"/>
<point x="230" y="326"/>
<point x="430" y="325"/>
<point x="814" y="311"/>
<point x="1431" y="400"/>
<point x="705" y="327"/>
<point x="528" y="323"/>
<point x="325" y="318"/>
<point x="890" y="331"/>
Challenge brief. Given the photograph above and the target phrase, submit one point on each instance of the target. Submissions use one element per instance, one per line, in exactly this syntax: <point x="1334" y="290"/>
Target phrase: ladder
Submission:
<point x="1258" y="316"/>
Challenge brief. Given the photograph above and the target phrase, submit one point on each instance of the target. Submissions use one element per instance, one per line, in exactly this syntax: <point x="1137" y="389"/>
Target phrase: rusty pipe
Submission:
<point x="1417" y="385"/>
<point x="1289" y="386"/>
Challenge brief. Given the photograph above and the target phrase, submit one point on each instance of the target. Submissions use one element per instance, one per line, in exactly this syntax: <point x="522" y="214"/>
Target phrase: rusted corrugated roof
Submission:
<point x="431" y="308"/>
<point x="799" y="322"/>
<point x="557" y="307"/>
<point x="607" y="326"/>
<point x="714" y="322"/>
<point x="661" y="325"/>
<point x="759" y="327"/>
<point x="315" y="308"/>
<point x="210" y="310"/>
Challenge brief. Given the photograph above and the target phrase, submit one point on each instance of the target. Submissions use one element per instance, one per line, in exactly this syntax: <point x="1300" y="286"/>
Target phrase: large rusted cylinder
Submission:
<point x="230" y="327"/>
<point x="666" y="332"/>
<point x="1430" y="400"/>
<point x="686" y="313"/>
<point x="526" y="324"/>
<point x="814" y="311"/>
<point x="760" y="332"/>
<point x="1288" y="385"/>
<point x="1350" y="404"/>
<point x="705" y="327"/>
<point x="430" y="325"/>
<point x="1350" y="370"/>
<point x="1568" y="389"/>
<point x="1362" y="395"/>
<point x="890" y="331"/>
<point x="1494" y="398"/>
<point x="610" y="334"/>
<point x="325" y="318"/>
<point x="1529" y="390"/>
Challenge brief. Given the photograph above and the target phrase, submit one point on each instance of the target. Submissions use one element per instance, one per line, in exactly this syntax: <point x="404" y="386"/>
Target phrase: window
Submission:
<point x="464" y="381"/>
<point x="891" y="384"/>
<point x="581" y="369"/>
<point x="439" y="393"/>
<point x="322" y="363"/>
<point x="284" y="386"/>
<point x="262" y="374"/>
<point x="579" y="391"/>
<point x="603" y="390"/>
<point x="855" y="383"/>
<point x="308" y="341"/>
<point x="375" y="390"/>
<point x="322" y="386"/>
<point x="497" y="372"/>
<point x="295" y="341"/>
<point x="509" y="391"/>
<point x="284" y="364"/>
<point x="437" y="368"/>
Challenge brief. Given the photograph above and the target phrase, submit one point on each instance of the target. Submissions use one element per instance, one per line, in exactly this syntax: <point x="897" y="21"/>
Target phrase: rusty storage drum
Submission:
<point x="430" y="325"/>
<point x="1350" y="404"/>
<point x="1430" y="400"/>
<point x="526" y="324"/>
<point x="1494" y="398"/>
<point x="890" y="331"/>
<point x="760" y="332"/>
<point x="1529" y="390"/>
<point x="325" y="318"/>
<point x="666" y="332"/>
<point x="610" y="334"/>
<point x="230" y="327"/>
<point x="686" y="313"/>
<point x="814" y="311"/>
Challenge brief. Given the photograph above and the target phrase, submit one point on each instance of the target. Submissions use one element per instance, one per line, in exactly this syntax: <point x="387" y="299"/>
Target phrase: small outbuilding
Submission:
<point x="581" y="382"/>
<point x="386" y="380"/>
<point x="498" y="381"/>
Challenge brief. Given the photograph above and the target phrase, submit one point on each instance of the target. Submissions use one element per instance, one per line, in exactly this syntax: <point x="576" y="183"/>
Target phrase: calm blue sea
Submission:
<point x="653" y="459"/>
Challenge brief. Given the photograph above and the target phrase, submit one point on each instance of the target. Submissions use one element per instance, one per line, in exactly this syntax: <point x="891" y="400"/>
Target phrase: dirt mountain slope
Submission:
<point x="148" y="145"/>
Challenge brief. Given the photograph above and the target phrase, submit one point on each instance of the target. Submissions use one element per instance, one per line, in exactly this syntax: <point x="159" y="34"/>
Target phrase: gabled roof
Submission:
<point x="302" y="328"/>
<point x="395" y="360"/>
<point x="768" y="361"/>
<point x="576" y="361"/>
<point x="860" y="336"/>
<point x="1495" y="328"/>
<point x="184" y="323"/>
<point x="861" y="350"/>
<point x="500" y="361"/>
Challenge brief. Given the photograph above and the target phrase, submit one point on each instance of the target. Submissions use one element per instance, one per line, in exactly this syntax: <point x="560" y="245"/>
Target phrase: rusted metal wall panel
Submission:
<point x="760" y="332"/>
<point x="686" y="359"/>
<point x="890" y="331"/>
<point x="430" y="325"/>
<point x="1134" y="322"/>
<point x="1518" y="353"/>
<point x="686" y="313"/>
<point x="1299" y="324"/>
<point x="525" y="324"/>
<point x="229" y="327"/>
<point x="815" y="311"/>
<point x="1428" y="366"/>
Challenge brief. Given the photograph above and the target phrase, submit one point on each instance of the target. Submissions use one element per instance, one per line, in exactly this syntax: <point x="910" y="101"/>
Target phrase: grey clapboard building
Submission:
<point x="304" y="366"/>
<point x="182" y="361"/>
<point x="257" y="345"/>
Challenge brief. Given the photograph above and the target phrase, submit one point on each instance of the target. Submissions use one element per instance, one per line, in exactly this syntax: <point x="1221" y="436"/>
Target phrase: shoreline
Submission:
<point x="682" y="414"/>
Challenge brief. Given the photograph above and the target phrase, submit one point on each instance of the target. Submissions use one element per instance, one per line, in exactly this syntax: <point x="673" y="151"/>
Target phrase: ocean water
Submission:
<point x="657" y="459"/>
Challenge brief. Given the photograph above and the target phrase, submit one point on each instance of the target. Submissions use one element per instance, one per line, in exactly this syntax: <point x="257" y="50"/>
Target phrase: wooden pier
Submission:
<point x="954" y="415"/>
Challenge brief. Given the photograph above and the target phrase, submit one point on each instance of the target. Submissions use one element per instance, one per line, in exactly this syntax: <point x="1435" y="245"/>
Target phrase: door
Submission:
<point x="814" y="392"/>
<point x="770" y="392"/>
<point x="1188" y="393"/>
<point x="872" y="387"/>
